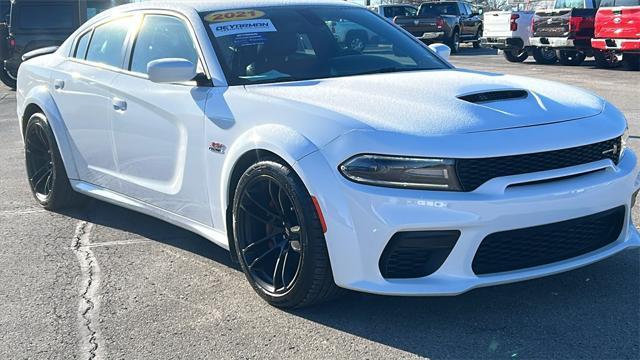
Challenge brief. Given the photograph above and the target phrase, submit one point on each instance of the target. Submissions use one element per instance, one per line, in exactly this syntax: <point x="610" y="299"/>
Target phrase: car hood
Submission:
<point x="428" y="102"/>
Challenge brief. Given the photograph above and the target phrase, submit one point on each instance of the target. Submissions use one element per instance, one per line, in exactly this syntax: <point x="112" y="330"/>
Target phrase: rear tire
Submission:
<point x="631" y="61"/>
<point x="605" y="59"/>
<point x="476" y="43"/>
<point x="515" y="56"/>
<point x="8" y="79"/>
<point x="545" y="56"/>
<point x="571" y="57"/>
<point x="45" y="170"/>
<point x="454" y="42"/>
<point x="276" y="229"/>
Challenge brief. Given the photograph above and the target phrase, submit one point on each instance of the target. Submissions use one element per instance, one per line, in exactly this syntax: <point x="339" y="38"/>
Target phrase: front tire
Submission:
<point x="515" y="56"/>
<point x="545" y="56"/>
<point x="571" y="57"/>
<point x="279" y="238"/>
<point x="45" y="169"/>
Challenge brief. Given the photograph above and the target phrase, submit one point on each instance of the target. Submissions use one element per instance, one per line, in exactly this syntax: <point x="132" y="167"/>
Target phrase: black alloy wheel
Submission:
<point x="571" y="57"/>
<point x="279" y="238"/>
<point x="45" y="170"/>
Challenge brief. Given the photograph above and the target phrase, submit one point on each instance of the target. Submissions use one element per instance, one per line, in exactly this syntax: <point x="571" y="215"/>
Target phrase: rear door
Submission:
<point x="82" y="91"/>
<point x="159" y="128"/>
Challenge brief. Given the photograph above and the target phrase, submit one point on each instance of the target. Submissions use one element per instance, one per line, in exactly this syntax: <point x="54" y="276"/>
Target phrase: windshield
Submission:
<point x="275" y="44"/>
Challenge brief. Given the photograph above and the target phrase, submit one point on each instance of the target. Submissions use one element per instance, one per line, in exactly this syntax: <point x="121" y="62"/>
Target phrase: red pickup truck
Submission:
<point x="617" y="30"/>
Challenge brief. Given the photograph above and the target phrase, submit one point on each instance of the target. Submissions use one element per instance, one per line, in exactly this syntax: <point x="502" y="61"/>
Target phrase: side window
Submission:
<point x="462" y="9"/>
<point x="82" y="45"/>
<point x="162" y="37"/>
<point x="468" y="9"/>
<point x="107" y="44"/>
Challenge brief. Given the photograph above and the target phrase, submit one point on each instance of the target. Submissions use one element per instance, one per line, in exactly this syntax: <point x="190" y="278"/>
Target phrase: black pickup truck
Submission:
<point x="450" y="22"/>
<point x="35" y="24"/>
<point x="568" y="28"/>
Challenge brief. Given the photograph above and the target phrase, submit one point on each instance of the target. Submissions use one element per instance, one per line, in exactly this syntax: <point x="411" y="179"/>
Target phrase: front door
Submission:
<point x="159" y="128"/>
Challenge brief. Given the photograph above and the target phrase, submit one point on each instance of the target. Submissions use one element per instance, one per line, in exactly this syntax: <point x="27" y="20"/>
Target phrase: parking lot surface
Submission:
<point x="106" y="282"/>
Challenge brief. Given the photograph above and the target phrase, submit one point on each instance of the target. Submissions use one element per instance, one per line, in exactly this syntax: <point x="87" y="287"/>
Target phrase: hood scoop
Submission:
<point x="491" y="96"/>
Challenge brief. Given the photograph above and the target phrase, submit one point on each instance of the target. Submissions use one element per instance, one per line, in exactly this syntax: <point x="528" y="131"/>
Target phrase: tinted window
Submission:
<point x="612" y="3"/>
<point x="44" y="16"/>
<point x="82" y="45"/>
<point x="569" y="4"/>
<point x="162" y="37"/>
<point x="393" y="11"/>
<point x="436" y="9"/>
<point x="108" y="41"/>
<point x="311" y="42"/>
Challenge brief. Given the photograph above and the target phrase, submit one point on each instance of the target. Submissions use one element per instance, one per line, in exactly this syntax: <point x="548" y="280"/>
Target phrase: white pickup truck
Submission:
<point x="510" y="32"/>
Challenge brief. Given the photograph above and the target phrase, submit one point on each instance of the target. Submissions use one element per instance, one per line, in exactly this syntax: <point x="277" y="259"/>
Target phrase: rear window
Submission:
<point x="42" y="16"/>
<point x="393" y="11"/>
<point x="107" y="43"/>
<point x="569" y="4"/>
<point x="439" y="9"/>
<point x="613" y="3"/>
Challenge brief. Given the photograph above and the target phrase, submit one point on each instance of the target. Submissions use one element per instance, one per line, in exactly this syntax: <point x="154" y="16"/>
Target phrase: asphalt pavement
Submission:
<point x="109" y="283"/>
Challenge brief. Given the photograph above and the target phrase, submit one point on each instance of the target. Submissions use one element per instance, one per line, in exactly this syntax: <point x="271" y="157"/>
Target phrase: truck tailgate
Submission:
<point x="497" y="24"/>
<point x="552" y="23"/>
<point x="417" y="26"/>
<point x="618" y="23"/>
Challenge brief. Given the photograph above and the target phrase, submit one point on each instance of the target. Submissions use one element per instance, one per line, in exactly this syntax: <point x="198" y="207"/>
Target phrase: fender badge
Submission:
<point x="217" y="148"/>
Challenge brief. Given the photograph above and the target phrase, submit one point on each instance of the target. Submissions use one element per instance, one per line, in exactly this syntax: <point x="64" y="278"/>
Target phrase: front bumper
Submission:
<point x="362" y="219"/>
<point x="625" y="45"/>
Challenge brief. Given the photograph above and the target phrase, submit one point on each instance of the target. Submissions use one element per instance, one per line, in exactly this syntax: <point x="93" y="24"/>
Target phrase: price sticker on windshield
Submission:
<point x="235" y="15"/>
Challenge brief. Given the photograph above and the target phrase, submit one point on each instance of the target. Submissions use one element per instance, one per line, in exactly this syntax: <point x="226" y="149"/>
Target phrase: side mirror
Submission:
<point x="442" y="50"/>
<point x="171" y="70"/>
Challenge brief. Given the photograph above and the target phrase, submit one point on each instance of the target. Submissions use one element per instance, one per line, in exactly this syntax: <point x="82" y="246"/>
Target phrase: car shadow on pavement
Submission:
<point x="591" y="312"/>
<point x="115" y="217"/>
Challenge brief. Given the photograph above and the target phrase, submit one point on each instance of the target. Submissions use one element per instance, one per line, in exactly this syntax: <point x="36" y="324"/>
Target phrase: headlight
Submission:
<point x="402" y="172"/>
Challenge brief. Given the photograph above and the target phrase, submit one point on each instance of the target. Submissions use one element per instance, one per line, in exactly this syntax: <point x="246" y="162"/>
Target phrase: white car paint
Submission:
<point x="497" y="26"/>
<point x="154" y="157"/>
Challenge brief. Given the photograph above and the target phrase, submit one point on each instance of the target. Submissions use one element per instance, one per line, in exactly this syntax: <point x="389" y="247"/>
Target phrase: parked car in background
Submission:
<point x="568" y="28"/>
<point x="451" y="22"/>
<point x="351" y="36"/>
<point x="617" y="30"/>
<point x="35" y="24"/>
<point x="391" y="11"/>
<point x="510" y="31"/>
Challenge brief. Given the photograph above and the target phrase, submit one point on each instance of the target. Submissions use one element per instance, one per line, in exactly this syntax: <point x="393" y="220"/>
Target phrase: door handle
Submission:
<point x="58" y="84"/>
<point x="119" y="104"/>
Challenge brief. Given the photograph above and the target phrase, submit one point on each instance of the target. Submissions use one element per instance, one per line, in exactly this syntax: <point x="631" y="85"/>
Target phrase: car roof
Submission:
<point x="216" y="5"/>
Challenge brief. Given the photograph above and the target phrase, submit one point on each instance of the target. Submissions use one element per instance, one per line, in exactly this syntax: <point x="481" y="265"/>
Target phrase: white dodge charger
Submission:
<point x="382" y="169"/>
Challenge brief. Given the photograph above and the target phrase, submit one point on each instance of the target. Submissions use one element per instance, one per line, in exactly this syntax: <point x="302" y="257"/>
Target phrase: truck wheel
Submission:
<point x="631" y="61"/>
<point x="454" y="42"/>
<point x="605" y="59"/>
<point x="476" y="44"/>
<point x="545" y="56"/>
<point x="8" y="79"/>
<point x="356" y="42"/>
<point x="571" y="57"/>
<point x="515" y="56"/>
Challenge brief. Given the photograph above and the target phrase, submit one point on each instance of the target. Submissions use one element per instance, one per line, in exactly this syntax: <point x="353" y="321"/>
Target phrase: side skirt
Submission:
<point x="118" y="199"/>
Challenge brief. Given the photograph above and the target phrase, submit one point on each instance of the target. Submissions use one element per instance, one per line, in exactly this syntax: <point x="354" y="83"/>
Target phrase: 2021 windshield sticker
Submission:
<point x="242" y="27"/>
<point x="224" y="16"/>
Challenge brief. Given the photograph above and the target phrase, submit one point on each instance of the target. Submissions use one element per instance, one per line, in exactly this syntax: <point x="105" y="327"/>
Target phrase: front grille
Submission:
<point x="541" y="245"/>
<point x="416" y="254"/>
<point x="475" y="172"/>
